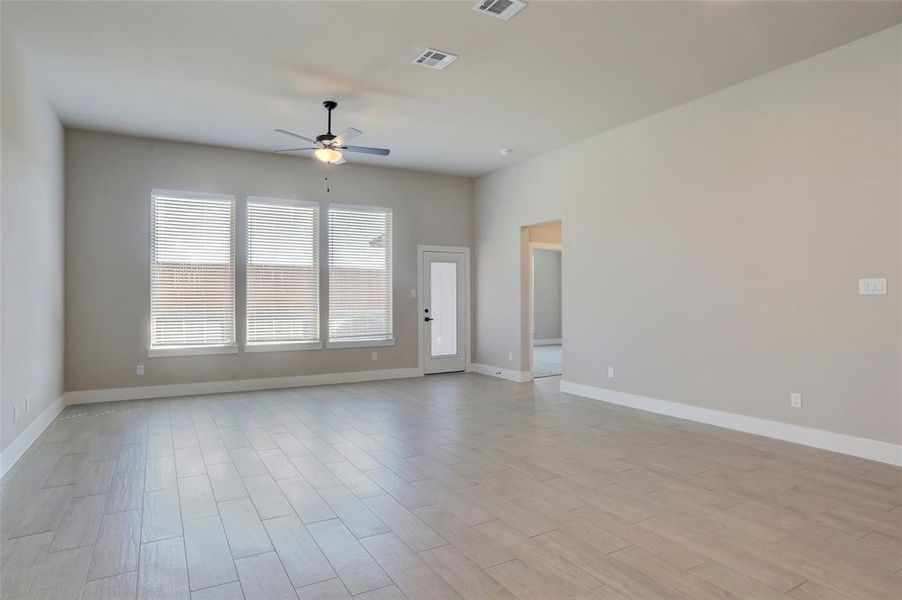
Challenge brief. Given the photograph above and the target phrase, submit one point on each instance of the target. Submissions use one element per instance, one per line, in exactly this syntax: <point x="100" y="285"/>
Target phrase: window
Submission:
<point x="360" y="275"/>
<point x="192" y="274"/>
<point x="282" y="274"/>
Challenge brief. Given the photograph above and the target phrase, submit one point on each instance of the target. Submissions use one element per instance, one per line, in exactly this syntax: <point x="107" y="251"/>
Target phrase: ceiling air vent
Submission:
<point x="503" y="9"/>
<point x="434" y="59"/>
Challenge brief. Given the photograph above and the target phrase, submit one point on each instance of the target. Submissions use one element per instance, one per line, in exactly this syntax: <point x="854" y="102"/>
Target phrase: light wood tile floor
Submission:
<point x="457" y="486"/>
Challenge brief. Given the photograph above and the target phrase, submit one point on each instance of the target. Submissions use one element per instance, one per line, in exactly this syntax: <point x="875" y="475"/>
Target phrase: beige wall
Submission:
<point x="31" y="245"/>
<point x="712" y="252"/>
<point x="547" y="294"/>
<point x="108" y="183"/>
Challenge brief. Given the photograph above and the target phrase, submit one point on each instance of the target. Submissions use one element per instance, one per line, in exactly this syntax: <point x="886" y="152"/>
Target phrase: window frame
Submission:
<point x="167" y="351"/>
<point x="389" y="340"/>
<point x="290" y="345"/>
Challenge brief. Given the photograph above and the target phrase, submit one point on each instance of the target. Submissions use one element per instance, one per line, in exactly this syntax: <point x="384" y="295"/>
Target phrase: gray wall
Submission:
<point x="108" y="183"/>
<point x="712" y="252"/>
<point x="31" y="244"/>
<point x="547" y="294"/>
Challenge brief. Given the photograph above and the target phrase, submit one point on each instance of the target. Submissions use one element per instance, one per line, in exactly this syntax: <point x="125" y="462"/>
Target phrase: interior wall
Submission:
<point x="547" y="294"/>
<point x="109" y="179"/>
<point x="713" y="250"/>
<point x="31" y="244"/>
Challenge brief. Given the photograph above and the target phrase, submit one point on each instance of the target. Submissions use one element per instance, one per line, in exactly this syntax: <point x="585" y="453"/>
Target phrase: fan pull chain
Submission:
<point x="327" y="185"/>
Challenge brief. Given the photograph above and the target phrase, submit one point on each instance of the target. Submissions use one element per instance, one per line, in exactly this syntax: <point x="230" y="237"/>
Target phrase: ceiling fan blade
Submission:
<point x="283" y="131"/>
<point x="347" y="135"/>
<point x="295" y="149"/>
<point x="365" y="150"/>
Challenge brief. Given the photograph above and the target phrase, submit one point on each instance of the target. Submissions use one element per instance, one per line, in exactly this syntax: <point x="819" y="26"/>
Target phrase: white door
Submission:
<point x="444" y="311"/>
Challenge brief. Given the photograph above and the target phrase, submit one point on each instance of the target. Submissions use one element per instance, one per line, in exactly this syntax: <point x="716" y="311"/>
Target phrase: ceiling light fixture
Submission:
<point x="328" y="155"/>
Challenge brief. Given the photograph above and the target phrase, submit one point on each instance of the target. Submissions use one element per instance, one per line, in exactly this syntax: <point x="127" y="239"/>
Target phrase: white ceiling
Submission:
<point x="227" y="73"/>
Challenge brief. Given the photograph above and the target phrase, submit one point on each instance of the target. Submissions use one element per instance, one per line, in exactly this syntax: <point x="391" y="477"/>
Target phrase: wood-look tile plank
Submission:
<point x="301" y="557"/>
<point x="267" y="496"/>
<point x="353" y="512"/>
<point x="226" y="481"/>
<point x="480" y="548"/>
<point x="80" y="523"/>
<point x="263" y="578"/>
<point x="525" y="583"/>
<point x="20" y="559"/>
<point x="331" y="589"/>
<point x="116" y="587"/>
<point x="196" y="497"/>
<point x="354" y="565"/>
<point x="305" y="500"/>
<point x="96" y="477"/>
<point x="207" y="552"/>
<point x="162" y="516"/>
<point x="243" y="528"/>
<point x="163" y="570"/>
<point x="61" y="575"/>
<point x="116" y="549"/>
<point x="126" y="492"/>
<point x="389" y="592"/>
<point x="226" y="591"/>
<point x="463" y="575"/>
<point x="407" y="570"/>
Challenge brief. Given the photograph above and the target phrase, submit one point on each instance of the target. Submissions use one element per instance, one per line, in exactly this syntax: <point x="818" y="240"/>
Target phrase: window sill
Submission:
<point x="283" y="347"/>
<point x="191" y="351"/>
<point x="361" y="343"/>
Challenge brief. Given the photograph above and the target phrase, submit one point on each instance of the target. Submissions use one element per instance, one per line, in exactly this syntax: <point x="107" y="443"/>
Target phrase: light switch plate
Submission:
<point x="872" y="287"/>
<point x="795" y="400"/>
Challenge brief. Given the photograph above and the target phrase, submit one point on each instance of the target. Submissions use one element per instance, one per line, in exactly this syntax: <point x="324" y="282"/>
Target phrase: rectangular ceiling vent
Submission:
<point x="434" y="59"/>
<point x="503" y="9"/>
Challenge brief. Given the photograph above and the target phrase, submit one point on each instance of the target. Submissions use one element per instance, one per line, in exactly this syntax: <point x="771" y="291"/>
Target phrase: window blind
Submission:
<point x="360" y="273"/>
<point x="192" y="289"/>
<point x="282" y="271"/>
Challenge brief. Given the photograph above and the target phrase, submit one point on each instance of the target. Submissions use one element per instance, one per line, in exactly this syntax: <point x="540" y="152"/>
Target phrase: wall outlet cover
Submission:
<point x="795" y="400"/>
<point x="872" y="287"/>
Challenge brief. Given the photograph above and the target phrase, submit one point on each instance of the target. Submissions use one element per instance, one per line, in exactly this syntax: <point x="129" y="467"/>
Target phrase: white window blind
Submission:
<point x="360" y="273"/>
<point x="282" y="271"/>
<point x="192" y="288"/>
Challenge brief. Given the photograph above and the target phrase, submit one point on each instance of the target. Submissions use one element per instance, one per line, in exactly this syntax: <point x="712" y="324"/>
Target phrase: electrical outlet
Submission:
<point x="374" y="356"/>
<point x="510" y="356"/>
<point x="140" y="370"/>
<point x="413" y="292"/>
<point x="610" y="372"/>
<point x="795" y="400"/>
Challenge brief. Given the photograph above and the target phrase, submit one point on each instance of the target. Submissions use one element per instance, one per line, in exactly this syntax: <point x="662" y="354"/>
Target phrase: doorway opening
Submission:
<point x="545" y="307"/>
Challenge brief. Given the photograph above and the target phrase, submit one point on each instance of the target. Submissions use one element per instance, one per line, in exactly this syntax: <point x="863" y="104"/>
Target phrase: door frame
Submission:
<point x="533" y="246"/>
<point x="421" y="250"/>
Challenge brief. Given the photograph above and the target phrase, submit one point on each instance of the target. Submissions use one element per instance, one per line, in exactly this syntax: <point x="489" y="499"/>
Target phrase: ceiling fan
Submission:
<point x="330" y="148"/>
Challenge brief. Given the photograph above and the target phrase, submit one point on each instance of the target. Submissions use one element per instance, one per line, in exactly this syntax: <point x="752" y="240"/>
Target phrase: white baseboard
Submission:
<point x="547" y="342"/>
<point x="237" y="385"/>
<point x="884" y="452"/>
<point x="509" y="374"/>
<point x="24" y="440"/>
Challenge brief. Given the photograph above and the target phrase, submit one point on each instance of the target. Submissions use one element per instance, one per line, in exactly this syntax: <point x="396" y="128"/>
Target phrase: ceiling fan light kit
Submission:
<point x="328" y="147"/>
